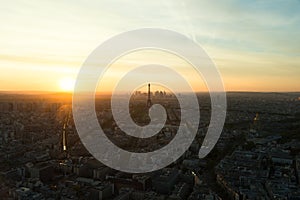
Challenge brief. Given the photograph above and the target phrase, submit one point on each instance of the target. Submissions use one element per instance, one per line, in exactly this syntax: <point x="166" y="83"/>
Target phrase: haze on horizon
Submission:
<point x="254" y="44"/>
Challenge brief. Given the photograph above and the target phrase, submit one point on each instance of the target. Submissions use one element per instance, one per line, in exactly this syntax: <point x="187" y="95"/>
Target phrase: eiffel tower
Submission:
<point x="149" y="102"/>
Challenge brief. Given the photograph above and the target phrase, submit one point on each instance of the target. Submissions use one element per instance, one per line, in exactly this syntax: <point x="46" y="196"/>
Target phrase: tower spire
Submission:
<point x="149" y="103"/>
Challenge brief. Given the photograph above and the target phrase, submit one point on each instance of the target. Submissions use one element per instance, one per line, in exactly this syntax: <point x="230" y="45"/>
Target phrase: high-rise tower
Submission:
<point x="149" y="103"/>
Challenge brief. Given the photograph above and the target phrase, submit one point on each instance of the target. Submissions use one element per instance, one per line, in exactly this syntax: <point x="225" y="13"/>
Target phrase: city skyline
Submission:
<point x="150" y="100"/>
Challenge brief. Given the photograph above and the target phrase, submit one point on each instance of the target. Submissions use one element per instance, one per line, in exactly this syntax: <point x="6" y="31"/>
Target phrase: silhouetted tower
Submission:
<point x="149" y="103"/>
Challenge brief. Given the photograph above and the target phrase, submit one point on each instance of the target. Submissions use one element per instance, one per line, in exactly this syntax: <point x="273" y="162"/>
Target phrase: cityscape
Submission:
<point x="150" y="100"/>
<point x="256" y="157"/>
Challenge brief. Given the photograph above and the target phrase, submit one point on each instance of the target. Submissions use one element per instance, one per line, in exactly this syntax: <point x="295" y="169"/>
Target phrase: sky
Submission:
<point x="254" y="44"/>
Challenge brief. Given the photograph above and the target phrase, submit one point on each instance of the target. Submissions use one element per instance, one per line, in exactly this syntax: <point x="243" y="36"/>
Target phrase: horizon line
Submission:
<point x="109" y="92"/>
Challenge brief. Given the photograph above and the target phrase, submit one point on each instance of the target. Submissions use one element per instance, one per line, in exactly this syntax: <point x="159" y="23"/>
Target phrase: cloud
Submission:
<point x="245" y="38"/>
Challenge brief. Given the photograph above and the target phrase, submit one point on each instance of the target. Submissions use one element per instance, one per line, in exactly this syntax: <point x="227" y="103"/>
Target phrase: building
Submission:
<point x="42" y="171"/>
<point x="165" y="180"/>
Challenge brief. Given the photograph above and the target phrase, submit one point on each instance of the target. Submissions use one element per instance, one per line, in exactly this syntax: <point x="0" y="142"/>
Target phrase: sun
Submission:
<point x="67" y="84"/>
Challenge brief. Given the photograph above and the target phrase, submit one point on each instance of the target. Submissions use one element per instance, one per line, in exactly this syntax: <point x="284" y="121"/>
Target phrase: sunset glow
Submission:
<point x="254" y="45"/>
<point x="67" y="84"/>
